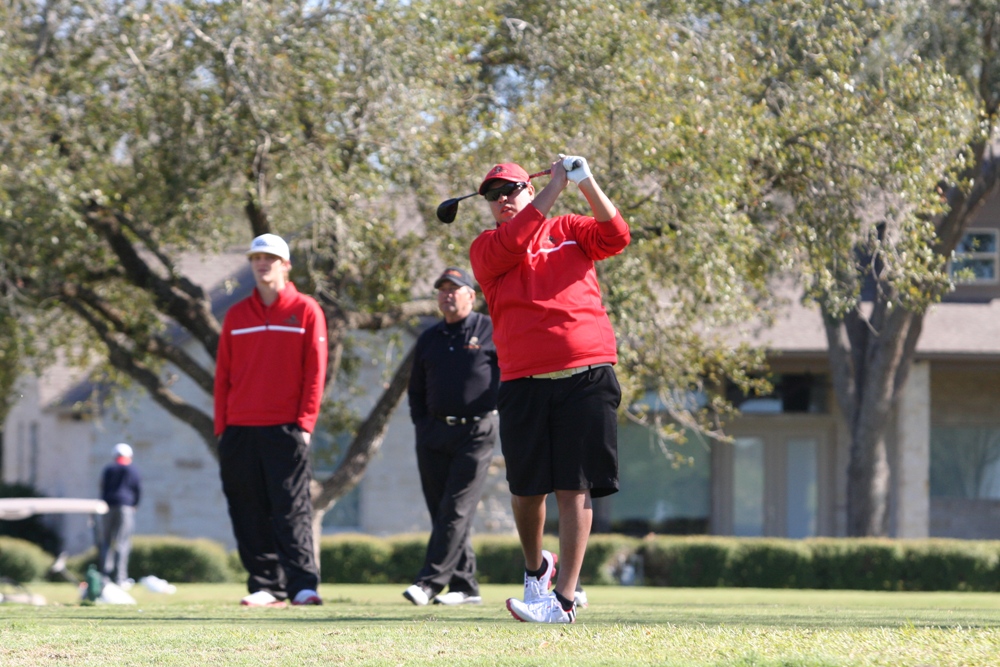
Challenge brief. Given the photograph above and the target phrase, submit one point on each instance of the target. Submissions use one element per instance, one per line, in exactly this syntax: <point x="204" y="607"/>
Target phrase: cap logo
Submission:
<point x="496" y="170"/>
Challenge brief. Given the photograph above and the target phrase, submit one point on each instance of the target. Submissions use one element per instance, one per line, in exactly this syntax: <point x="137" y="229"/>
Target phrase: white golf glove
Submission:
<point x="577" y="169"/>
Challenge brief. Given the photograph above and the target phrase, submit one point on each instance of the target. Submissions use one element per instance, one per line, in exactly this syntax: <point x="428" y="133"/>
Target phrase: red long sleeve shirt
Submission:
<point x="270" y="367"/>
<point x="540" y="284"/>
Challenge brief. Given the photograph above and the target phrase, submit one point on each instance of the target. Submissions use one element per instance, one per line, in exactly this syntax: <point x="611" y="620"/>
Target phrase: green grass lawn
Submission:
<point x="373" y="625"/>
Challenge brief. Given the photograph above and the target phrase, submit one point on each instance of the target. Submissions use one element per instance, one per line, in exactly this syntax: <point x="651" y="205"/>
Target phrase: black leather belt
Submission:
<point x="451" y="420"/>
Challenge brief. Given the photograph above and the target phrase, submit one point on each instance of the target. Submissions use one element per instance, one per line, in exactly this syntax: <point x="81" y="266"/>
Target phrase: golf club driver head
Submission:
<point x="447" y="211"/>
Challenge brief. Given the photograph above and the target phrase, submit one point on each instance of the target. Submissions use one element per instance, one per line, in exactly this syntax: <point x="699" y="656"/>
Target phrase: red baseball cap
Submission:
<point x="504" y="172"/>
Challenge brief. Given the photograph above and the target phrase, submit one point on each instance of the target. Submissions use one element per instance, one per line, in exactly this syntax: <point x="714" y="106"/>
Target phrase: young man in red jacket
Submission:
<point x="269" y="375"/>
<point x="558" y="394"/>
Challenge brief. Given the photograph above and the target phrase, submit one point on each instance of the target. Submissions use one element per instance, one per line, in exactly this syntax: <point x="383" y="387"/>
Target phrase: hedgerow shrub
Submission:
<point x="950" y="565"/>
<point x="407" y="559"/>
<point x="769" y="563"/>
<point x="236" y="570"/>
<point x="499" y="559"/>
<point x="179" y="559"/>
<point x="685" y="561"/>
<point x="354" y="558"/>
<point x="21" y="560"/>
<point x="606" y="556"/>
<point x="176" y="559"/>
<point x="857" y="564"/>
<point x="679" y="561"/>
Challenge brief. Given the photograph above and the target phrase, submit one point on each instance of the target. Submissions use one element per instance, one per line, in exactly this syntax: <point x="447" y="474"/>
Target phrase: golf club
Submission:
<point x="448" y="209"/>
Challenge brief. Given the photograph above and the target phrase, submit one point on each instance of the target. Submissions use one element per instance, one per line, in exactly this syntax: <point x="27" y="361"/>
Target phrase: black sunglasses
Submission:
<point x="505" y="190"/>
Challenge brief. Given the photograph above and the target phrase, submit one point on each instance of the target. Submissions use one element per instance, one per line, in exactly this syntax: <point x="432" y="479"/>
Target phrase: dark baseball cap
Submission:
<point x="455" y="275"/>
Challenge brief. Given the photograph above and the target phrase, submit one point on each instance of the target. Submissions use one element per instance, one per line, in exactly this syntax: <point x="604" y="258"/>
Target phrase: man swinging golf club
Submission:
<point x="558" y="393"/>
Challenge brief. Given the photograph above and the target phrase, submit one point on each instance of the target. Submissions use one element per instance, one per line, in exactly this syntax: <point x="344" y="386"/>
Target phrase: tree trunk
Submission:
<point x="870" y="358"/>
<point x="867" y="486"/>
<point x="317" y="531"/>
<point x="367" y="441"/>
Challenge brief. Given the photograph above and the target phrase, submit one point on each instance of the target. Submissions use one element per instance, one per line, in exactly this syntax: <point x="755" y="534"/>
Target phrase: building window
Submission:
<point x="965" y="462"/>
<point x="976" y="258"/>
<point x="665" y="488"/>
<point x="793" y="393"/>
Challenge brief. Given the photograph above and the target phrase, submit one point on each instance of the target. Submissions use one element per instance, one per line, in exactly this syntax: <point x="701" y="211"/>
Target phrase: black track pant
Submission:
<point x="265" y="475"/>
<point x="453" y="462"/>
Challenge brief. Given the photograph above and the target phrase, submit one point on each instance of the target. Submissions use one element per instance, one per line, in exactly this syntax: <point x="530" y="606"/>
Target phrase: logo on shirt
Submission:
<point x="291" y="319"/>
<point x="473" y="343"/>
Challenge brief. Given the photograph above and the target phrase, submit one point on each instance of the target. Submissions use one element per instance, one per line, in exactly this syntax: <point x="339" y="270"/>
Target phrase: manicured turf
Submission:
<point x="373" y="625"/>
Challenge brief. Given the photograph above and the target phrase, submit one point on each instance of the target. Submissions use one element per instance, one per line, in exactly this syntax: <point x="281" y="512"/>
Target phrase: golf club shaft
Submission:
<point x="544" y="172"/>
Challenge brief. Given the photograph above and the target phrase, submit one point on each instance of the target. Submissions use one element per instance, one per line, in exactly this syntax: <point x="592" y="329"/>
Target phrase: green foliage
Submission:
<point x="685" y="562"/>
<point x="236" y="569"/>
<point x="176" y="559"/>
<point x="33" y="529"/>
<point x="179" y="560"/>
<point x="742" y="141"/>
<point x="865" y="564"/>
<point x="21" y="560"/>
<point x="764" y="563"/>
<point x="828" y="563"/>
<point x="499" y="559"/>
<point x="605" y="556"/>
<point x="677" y="562"/>
<point x="349" y="557"/>
<point x="951" y="565"/>
<point x="408" y="553"/>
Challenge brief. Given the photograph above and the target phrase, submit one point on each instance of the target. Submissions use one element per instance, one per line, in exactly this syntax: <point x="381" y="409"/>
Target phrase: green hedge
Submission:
<point x="353" y="558"/>
<point x="348" y="558"/>
<point x="176" y="559"/>
<point x="861" y="564"/>
<point x="951" y="565"/>
<point x="688" y="561"/>
<point x="829" y="563"/>
<point x="22" y="561"/>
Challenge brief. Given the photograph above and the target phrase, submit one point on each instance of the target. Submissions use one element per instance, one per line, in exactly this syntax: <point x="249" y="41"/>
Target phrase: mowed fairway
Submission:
<point x="373" y="625"/>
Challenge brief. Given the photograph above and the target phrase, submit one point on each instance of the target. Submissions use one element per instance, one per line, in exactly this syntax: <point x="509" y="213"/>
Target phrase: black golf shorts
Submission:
<point x="561" y="434"/>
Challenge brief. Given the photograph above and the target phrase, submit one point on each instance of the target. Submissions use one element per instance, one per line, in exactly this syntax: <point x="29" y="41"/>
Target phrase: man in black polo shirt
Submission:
<point x="453" y="398"/>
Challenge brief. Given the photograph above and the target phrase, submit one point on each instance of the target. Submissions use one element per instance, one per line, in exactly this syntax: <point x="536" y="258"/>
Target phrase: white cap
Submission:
<point x="121" y="449"/>
<point x="272" y="244"/>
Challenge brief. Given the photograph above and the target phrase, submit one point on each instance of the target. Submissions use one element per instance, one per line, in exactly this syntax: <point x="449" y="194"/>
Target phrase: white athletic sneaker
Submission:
<point x="457" y="597"/>
<point x="307" y="596"/>
<point x="417" y="595"/>
<point x="545" y="609"/>
<point x="262" y="599"/>
<point x="536" y="587"/>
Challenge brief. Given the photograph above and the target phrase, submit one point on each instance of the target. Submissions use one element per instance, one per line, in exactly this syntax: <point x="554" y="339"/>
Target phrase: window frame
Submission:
<point x="993" y="256"/>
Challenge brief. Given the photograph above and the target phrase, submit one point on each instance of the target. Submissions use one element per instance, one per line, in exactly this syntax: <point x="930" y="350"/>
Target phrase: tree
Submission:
<point x="646" y="94"/>
<point x="843" y="142"/>
<point x="740" y="139"/>
<point x="882" y="156"/>
<point x="134" y="132"/>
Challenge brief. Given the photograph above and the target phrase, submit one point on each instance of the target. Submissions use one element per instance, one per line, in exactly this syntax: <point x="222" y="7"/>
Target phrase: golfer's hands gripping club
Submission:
<point x="577" y="169"/>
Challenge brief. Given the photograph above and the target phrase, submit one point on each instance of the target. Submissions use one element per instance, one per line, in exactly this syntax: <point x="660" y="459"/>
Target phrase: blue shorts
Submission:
<point x="561" y="434"/>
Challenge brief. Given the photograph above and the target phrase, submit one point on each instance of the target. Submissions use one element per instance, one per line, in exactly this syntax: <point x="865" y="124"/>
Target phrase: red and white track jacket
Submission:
<point x="271" y="364"/>
<point x="540" y="284"/>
